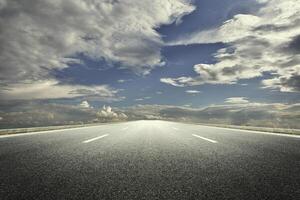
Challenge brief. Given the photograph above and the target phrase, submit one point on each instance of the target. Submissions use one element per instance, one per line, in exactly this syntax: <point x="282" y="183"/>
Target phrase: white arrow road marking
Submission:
<point x="203" y="138"/>
<point x="96" y="138"/>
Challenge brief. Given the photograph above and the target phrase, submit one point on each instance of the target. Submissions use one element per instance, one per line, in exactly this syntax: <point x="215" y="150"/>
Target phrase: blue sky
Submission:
<point x="179" y="60"/>
<point x="138" y="57"/>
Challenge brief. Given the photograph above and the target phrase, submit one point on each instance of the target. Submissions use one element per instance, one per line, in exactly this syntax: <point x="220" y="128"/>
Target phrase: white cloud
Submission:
<point x="51" y="89"/>
<point x="175" y="81"/>
<point x="143" y="98"/>
<point x="85" y="104"/>
<point x="107" y="113"/>
<point x="193" y="91"/>
<point x="123" y="80"/>
<point x="237" y="100"/>
<point x="39" y="36"/>
<point x="267" y="42"/>
<point x="228" y="32"/>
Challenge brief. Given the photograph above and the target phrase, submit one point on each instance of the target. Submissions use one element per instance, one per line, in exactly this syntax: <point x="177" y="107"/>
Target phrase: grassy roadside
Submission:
<point x="46" y="128"/>
<point x="253" y="128"/>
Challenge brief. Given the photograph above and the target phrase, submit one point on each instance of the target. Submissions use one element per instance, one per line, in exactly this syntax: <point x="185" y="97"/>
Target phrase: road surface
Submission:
<point x="149" y="160"/>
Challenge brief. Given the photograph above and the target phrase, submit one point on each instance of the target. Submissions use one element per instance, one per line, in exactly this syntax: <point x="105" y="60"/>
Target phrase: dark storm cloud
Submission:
<point x="292" y="82"/>
<point x="295" y="45"/>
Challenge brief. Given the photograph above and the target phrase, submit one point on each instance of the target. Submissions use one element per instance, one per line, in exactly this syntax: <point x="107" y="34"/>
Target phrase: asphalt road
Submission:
<point x="149" y="160"/>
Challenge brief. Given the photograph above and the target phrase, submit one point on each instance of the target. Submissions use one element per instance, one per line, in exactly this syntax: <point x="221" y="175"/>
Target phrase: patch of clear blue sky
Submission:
<point x="179" y="62"/>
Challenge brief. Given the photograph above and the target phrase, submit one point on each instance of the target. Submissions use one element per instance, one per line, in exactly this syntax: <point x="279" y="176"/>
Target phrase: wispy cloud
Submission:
<point x="143" y="98"/>
<point x="48" y="32"/>
<point x="237" y="100"/>
<point x="85" y="104"/>
<point x="193" y="91"/>
<point x="257" y="44"/>
<point x="51" y="89"/>
<point x="178" y="82"/>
